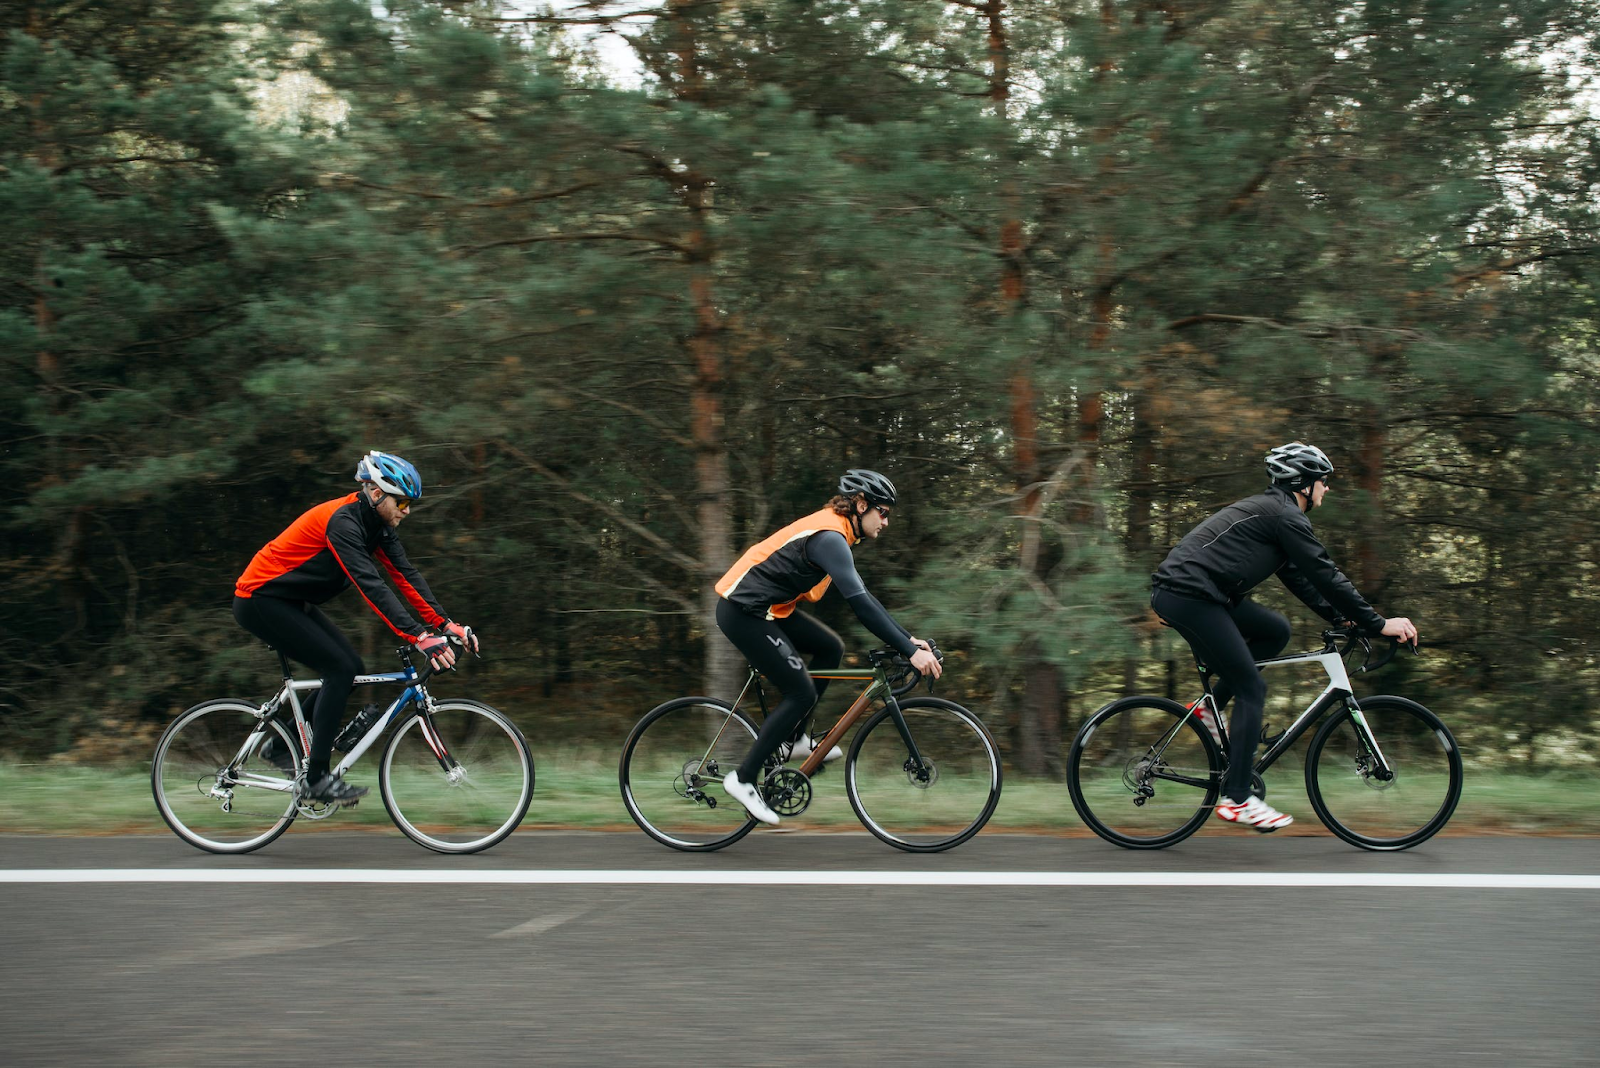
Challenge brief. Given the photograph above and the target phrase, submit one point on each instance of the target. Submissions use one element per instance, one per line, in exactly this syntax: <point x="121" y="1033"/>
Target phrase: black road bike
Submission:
<point x="1382" y="773"/>
<point x="923" y="773"/>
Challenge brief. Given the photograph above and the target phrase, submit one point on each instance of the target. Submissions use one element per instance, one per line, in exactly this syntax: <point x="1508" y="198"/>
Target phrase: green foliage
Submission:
<point x="249" y="240"/>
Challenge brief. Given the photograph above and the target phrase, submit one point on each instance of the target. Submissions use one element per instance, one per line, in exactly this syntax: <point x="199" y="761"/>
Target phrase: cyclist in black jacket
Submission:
<point x="1201" y="589"/>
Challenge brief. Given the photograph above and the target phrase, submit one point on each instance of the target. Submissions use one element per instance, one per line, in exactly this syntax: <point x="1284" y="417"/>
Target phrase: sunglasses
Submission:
<point x="403" y="503"/>
<point x="882" y="510"/>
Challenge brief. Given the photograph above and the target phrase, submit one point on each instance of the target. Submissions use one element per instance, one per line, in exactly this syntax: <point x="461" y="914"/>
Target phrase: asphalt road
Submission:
<point x="162" y="973"/>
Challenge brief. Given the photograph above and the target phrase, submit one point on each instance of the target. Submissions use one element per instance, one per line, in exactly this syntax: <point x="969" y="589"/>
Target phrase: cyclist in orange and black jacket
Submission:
<point x="757" y="612"/>
<point x="338" y="543"/>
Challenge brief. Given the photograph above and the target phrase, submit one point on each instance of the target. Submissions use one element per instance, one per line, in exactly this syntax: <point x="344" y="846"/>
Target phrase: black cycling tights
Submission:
<point x="774" y="648"/>
<point x="1229" y="641"/>
<point x="304" y="633"/>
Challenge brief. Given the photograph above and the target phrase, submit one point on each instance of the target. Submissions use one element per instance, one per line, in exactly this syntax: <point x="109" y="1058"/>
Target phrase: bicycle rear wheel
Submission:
<point x="213" y="787"/>
<point x="934" y="805"/>
<point x="1144" y="773"/>
<point x="468" y="797"/>
<point x="672" y="769"/>
<point x="1355" y="804"/>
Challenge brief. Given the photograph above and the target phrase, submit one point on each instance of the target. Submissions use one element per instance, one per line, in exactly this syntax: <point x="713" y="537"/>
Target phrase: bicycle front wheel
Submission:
<point x="213" y="787"/>
<point x="672" y="769"/>
<point x="464" y="788"/>
<point x="1348" y="789"/>
<point x="1144" y="773"/>
<point x="929" y="804"/>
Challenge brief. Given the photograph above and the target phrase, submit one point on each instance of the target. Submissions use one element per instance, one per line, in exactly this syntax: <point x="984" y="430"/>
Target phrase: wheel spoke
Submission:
<point x="1141" y="774"/>
<point x="672" y="769"/>
<point x="209" y="795"/>
<point x="471" y="800"/>
<point x="931" y="804"/>
<point x="1380" y="807"/>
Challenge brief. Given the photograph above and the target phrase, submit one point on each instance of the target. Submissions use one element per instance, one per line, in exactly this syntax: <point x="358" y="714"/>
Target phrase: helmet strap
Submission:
<point x="856" y="517"/>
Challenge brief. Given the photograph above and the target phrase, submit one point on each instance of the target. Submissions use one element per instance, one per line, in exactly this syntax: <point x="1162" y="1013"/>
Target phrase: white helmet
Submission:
<point x="1296" y="466"/>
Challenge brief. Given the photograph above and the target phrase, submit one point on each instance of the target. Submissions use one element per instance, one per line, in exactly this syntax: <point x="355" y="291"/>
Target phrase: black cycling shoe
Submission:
<point x="331" y="788"/>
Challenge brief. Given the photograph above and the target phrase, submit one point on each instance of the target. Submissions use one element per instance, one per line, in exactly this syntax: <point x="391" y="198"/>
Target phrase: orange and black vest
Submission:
<point x="774" y="575"/>
<point x="334" y="545"/>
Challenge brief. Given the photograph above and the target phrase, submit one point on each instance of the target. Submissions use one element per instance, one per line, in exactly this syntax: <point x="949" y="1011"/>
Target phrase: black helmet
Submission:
<point x="1296" y="466"/>
<point x="869" y="484"/>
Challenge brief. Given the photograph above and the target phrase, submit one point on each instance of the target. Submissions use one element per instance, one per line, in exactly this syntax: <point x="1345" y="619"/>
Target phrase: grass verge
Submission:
<point x="577" y="788"/>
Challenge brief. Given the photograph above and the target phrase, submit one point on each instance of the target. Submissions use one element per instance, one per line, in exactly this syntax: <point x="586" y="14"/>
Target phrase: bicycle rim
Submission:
<point x="1142" y="773"/>
<point x="476" y="796"/>
<point x="932" y="807"/>
<point x="672" y="769"/>
<point x="1355" y="804"/>
<point x="194" y="775"/>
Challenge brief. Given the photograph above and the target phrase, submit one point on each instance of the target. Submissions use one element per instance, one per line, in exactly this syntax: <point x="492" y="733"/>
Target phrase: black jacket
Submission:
<point x="1234" y="551"/>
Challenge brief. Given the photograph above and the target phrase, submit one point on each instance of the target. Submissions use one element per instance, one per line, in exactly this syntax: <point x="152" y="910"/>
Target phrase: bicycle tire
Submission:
<point x="192" y="755"/>
<point x="1113" y="759"/>
<point x="1385" y="816"/>
<point x="671" y="773"/>
<point x="914" y="809"/>
<point x="475" y="803"/>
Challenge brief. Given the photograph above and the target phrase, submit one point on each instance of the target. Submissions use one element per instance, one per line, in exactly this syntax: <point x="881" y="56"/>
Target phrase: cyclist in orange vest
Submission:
<point x="758" y="613"/>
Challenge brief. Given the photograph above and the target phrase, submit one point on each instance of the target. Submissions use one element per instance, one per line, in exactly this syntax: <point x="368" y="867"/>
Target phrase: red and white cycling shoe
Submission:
<point x="1208" y="717"/>
<point x="1253" y="812"/>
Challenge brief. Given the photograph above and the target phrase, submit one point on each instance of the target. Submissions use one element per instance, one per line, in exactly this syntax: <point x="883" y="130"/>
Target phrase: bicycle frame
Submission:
<point x="878" y="688"/>
<point x="415" y="692"/>
<point x="1338" y="691"/>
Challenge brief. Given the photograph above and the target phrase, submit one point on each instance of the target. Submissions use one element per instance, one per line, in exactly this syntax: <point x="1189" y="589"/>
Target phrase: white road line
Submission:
<point x="598" y="876"/>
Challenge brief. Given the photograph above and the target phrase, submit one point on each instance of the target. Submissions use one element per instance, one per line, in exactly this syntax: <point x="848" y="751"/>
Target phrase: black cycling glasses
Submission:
<point x="882" y="510"/>
<point x="403" y="503"/>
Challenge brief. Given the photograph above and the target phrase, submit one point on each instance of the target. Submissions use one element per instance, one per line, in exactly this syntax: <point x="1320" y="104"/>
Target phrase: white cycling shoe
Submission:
<point x="749" y="797"/>
<point x="802" y="747"/>
<point x="1253" y="812"/>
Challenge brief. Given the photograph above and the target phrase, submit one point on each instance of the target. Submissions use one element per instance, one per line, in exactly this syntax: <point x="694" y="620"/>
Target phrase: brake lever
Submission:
<point x="453" y="640"/>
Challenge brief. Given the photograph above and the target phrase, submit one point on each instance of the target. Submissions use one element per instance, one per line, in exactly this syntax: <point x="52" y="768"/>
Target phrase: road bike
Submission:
<point x="922" y="774"/>
<point x="456" y="775"/>
<point x="1382" y="773"/>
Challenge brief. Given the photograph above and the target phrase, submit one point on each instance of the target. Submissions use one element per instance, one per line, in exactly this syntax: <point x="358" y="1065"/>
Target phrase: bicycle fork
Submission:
<point x="451" y="767"/>
<point x="915" y="765"/>
<point x="1369" y="741"/>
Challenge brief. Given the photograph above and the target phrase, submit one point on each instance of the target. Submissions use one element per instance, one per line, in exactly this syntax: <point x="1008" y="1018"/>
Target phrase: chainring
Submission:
<point x="787" y="791"/>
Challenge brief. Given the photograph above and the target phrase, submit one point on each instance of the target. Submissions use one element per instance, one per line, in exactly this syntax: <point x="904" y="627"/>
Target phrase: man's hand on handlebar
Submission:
<point x="462" y="635"/>
<point x="925" y="660"/>
<point x="436" y="647"/>
<point x="1401" y="630"/>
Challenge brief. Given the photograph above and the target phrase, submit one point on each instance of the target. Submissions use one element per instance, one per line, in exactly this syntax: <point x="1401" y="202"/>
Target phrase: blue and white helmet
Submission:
<point x="390" y="473"/>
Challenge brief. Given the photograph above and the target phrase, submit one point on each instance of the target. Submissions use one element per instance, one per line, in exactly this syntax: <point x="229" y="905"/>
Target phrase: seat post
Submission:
<point x="283" y="662"/>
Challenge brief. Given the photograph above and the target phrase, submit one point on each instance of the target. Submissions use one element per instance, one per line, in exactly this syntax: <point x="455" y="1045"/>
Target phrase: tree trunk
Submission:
<point x="722" y="661"/>
<point x="1039" y="724"/>
<point x="707" y="369"/>
<point x="1040" y="736"/>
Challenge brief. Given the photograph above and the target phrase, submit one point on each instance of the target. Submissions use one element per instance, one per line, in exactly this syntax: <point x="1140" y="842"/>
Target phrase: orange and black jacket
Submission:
<point x="799" y="563"/>
<point x="335" y="544"/>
